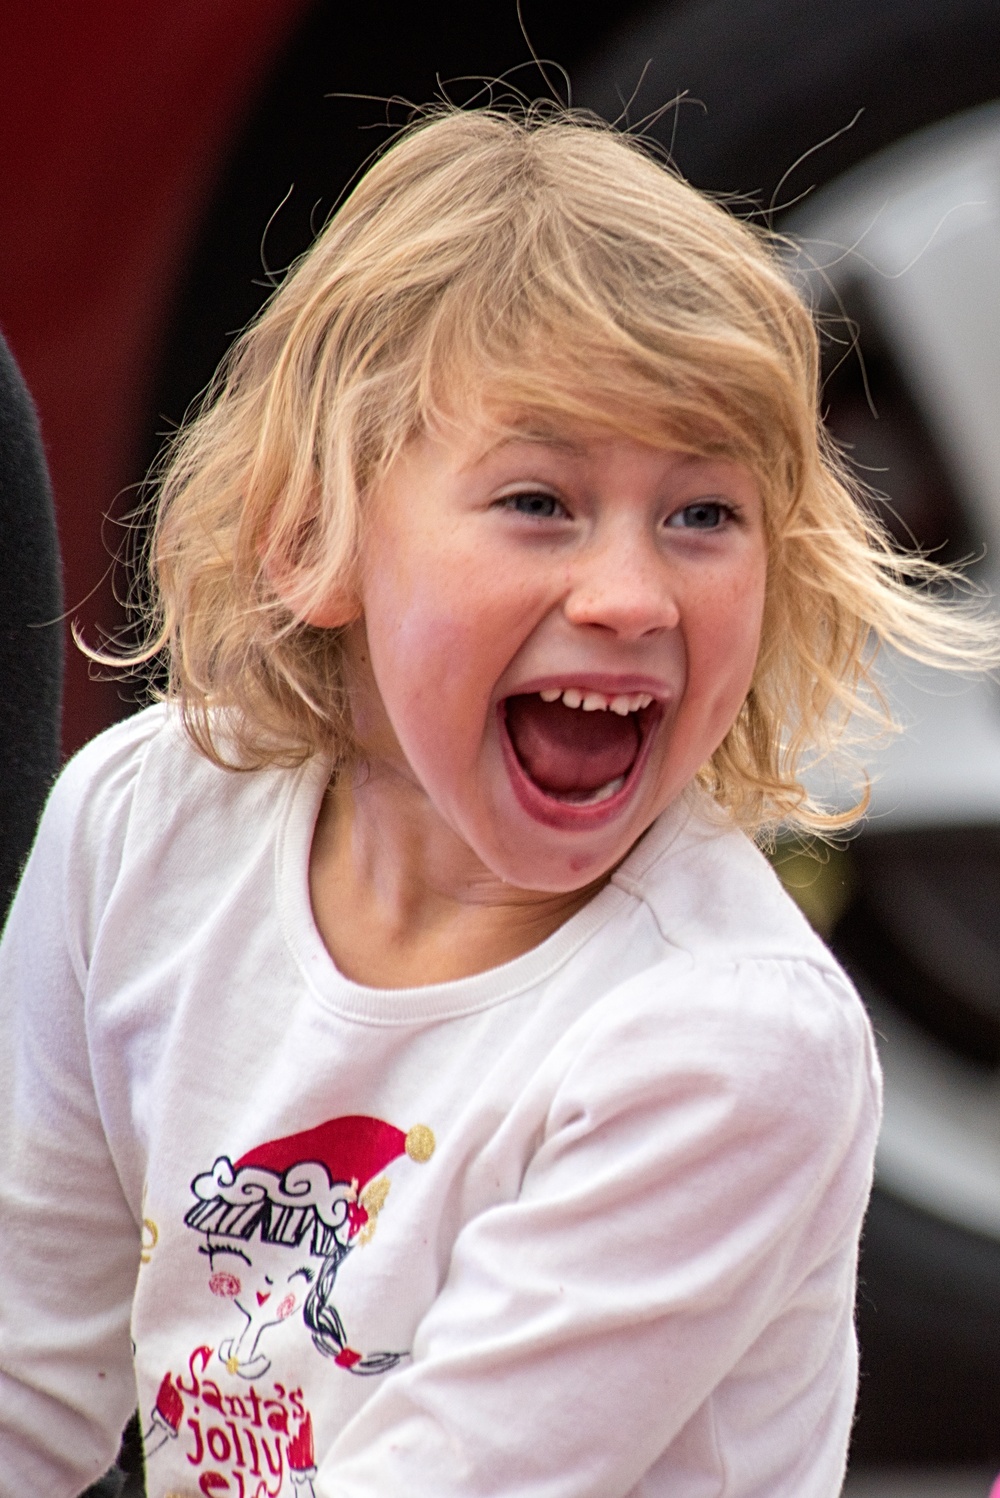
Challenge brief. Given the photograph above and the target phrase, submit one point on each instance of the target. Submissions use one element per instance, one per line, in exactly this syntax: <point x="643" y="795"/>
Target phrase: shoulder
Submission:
<point x="745" y="1004"/>
<point x="113" y="754"/>
<point x="93" y="792"/>
<point x="93" y="798"/>
<point x="758" y="1025"/>
<point x="714" y="895"/>
<point x="757" y="1078"/>
<point x="140" y="802"/>
<point x="148" y="764"/>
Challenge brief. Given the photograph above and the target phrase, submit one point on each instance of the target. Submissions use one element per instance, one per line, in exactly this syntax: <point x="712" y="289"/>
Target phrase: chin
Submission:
<point x="555" y="866"/>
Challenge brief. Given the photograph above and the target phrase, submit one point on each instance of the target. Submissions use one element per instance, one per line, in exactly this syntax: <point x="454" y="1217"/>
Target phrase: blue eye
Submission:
<point x="706" y="515"/>
<point x="538" y="505"/>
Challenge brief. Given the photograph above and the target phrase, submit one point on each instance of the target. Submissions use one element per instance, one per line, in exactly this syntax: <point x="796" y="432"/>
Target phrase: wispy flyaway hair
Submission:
<point x="503" y="267"/>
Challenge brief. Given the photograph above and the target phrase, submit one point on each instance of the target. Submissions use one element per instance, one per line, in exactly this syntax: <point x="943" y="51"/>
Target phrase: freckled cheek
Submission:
<point x="737" y="595"/>
<point x="723" y="645"/>
<point x="439" y="662"/>
<point x="418" y="639"/>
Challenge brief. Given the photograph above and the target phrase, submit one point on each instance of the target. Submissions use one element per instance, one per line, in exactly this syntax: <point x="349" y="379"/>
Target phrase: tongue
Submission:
<point x="565" y="749"/>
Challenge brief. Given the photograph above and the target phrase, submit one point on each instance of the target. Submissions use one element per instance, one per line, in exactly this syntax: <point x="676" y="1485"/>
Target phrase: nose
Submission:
<point x="621" y="582"/>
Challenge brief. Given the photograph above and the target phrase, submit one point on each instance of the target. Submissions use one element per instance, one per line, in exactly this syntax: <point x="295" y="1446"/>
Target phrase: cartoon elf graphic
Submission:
<point x="283" y="1206"/>
<point x="277" y="1226"/>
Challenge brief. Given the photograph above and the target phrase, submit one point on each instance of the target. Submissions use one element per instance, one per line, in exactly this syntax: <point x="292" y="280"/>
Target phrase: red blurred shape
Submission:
<point x="115" y="119"/>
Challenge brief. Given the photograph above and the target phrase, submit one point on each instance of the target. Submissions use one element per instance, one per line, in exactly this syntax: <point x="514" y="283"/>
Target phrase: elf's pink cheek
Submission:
<point x="286" y="1307"/>
<point x="225" y="1284"/>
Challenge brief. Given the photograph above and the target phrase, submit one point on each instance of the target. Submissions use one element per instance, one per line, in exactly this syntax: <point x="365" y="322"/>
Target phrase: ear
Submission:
<point x="335" y="611"/>
<point x="340" y="607"/>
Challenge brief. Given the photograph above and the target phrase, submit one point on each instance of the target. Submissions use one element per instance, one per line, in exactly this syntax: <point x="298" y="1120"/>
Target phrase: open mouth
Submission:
<point x="577" y="747"/>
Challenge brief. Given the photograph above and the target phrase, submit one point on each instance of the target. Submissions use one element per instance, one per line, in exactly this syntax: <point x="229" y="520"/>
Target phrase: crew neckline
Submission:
<point x="458" y="996"/>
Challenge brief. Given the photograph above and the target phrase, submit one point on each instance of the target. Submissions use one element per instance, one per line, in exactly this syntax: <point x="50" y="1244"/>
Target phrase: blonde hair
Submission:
<point x="544" y="264"/>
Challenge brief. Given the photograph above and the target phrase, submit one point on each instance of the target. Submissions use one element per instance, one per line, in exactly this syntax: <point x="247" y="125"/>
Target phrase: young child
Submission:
<point x="416" y="1083"/>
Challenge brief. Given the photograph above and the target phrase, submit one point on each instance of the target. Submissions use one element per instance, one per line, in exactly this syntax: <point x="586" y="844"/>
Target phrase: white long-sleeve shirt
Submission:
<point x="581" y="1226"/>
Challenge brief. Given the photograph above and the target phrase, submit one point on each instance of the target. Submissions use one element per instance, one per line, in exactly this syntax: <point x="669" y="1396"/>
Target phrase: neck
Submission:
<point x="401" y="901"/>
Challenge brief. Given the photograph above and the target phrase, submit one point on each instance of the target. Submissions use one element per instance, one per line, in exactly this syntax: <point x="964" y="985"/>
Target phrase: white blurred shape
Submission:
<point x="918" y="228"/>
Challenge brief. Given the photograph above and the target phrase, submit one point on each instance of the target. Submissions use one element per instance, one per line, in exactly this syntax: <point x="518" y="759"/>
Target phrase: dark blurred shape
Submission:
<point x="130" y="1462"/>
<point x="30" y="627"/>
<point x="111" y="1485"/>
<point x="924" y="928"/>
<point x="114" y="125"/>
<point x="766" y="80"/>
<point x="126" y="1479"/>
<point x="929" y="1326"/>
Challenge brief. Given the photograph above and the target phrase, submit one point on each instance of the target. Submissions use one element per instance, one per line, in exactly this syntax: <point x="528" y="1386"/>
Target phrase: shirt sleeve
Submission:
<point x="693" y="1208"/>
<point x="69" y="1245"/>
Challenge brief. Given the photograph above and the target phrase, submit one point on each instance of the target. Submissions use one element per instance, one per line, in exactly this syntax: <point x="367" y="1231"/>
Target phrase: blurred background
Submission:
<point x="160" y="164"/>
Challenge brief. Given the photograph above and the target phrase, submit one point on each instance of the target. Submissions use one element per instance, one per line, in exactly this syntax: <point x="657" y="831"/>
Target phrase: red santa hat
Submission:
<point x="354" y="1148"/>
<point x="312" y="1179"/>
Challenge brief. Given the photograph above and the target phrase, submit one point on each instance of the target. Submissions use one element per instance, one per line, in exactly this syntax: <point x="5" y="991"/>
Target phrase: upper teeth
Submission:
<point x="593" y="702"/>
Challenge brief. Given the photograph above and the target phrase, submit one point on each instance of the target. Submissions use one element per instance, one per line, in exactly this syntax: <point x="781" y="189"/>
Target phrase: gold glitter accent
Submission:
<point x="373" y="1200"/>
<point x="150" y="1238"/>
<point x="233" y="1364"/>
<point x="420" y="1143"/>
<point x="374" y="1195"/>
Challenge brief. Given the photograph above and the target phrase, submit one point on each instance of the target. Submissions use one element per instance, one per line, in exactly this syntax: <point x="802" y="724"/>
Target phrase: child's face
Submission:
<point x="497" y="575"/>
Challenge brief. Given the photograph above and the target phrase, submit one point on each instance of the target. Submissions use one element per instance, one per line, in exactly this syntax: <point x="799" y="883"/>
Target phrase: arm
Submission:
<point x="69" y="1245"/>
<point x="693" y="1206"/>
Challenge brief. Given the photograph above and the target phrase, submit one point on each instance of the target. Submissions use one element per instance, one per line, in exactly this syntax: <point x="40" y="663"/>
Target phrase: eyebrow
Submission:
<point x="539" y="437"/>
<point x="543" y="437"/>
